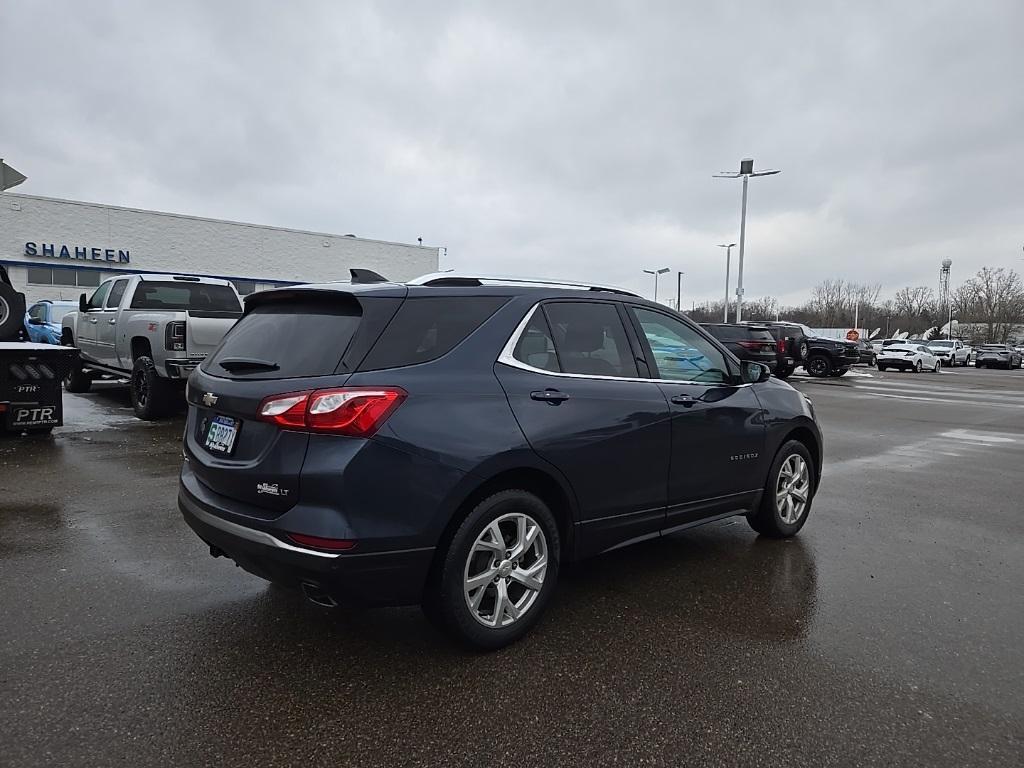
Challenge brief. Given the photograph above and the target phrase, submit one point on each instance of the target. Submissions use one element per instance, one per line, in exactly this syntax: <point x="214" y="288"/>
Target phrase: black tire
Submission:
<point x="12" y="313"/>
<point x="785" y="371"/>
<point x="918" y="367"/>
<point x="151" y="394"/>
<point x="445" y="600"/>
<point x="840" y="372"/>
<point x="819" y="366"/>
<point x="77" y="380"/>
<point x="767" y="519"/>
<point x="803" y="351"/>
<point x="882" y="368"/>
<point x="873" y="361"/>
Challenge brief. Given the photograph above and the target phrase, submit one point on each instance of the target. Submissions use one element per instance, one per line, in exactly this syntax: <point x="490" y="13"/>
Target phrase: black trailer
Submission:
<point x="30" y="385"/>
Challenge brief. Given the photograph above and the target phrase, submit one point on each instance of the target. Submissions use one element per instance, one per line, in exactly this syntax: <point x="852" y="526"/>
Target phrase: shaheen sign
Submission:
<point x="80" y="252"/>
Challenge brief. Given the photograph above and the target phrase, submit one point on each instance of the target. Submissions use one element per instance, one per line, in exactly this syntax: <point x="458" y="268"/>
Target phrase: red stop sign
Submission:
<point x="852" y="335"/>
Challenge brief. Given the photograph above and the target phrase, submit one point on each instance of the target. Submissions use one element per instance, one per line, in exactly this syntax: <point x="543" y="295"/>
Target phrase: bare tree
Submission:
<point x="994" y="298"/>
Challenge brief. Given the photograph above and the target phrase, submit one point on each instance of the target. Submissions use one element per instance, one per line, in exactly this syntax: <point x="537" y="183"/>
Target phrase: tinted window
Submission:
<point x="96" y="300"/>
<point x="88" y="277"/>
<point x="299" y="338"/>
<point x="116" y="294"/>
<point x="589" y="339"/>
<point x="37" y="311"/>
<point x="536" y="347"/>
<point x="424" y="329"/>
<point x="185" y="295"/>
<point x="680" y="353"/>
<point x="65" y="277"/>
<point x="40" y="275"/>
<point x="245" y="287"/>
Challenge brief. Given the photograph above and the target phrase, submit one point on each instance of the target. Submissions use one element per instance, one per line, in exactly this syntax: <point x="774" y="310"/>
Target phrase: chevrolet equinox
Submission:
<point x="453" y="441"/>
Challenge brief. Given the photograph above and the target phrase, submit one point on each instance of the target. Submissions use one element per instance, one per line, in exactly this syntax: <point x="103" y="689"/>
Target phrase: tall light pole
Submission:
<point x="944" y="290"/>
<point x="728" y="259"/>
<point x="679" y="291"/>
<point x="746" y="171"/>
<point x="657" y="273"/>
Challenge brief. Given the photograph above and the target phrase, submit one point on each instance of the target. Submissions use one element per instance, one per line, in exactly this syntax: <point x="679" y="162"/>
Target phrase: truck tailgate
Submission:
<point x="204" y="330"/>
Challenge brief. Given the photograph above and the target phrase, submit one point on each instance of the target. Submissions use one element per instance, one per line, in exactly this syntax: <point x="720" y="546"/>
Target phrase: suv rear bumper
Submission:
<point x="357" y="578"/>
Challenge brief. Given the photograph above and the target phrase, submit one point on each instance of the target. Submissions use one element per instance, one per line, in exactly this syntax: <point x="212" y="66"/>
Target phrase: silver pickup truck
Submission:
<point x="153" y="330"/>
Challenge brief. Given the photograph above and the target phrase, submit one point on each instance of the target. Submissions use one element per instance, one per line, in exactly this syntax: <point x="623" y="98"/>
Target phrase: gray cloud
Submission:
<point x="571" y="139"/>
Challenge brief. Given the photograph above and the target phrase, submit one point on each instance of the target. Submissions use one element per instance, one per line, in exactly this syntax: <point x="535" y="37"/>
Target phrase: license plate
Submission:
<point x="221" y="435"/>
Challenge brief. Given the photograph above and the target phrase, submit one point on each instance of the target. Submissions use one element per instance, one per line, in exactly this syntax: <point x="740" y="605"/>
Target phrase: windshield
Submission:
<point x="807" y="331"/>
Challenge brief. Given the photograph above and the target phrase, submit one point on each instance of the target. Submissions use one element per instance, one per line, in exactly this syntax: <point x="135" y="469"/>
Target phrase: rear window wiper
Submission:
<point x="246" y="363"/>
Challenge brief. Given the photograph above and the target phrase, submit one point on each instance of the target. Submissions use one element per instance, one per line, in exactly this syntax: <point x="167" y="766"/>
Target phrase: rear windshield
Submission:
<point x="424" y="329"/>
<point x="184" y="295"/>
<point x="739" y="333"/>
<point x="286" y="340"/>
<point x="993" y="348"/>
<point x="940" y="343"/>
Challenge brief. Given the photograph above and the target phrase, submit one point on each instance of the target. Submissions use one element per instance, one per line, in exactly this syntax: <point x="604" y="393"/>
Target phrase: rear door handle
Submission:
<point x="552" y="396"/>
<point x="112" y="322"/>
<point x="686" y="400"/>
<point x="92" y="320"/>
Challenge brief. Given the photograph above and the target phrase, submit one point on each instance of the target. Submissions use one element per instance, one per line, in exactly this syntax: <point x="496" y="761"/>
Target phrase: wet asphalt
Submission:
<point x="889" y="632"/>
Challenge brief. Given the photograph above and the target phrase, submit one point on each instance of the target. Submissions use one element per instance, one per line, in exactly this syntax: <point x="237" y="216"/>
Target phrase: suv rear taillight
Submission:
<point x="351" y="411"/>
<point x="780" y="346"/>
<point x="174" y="336"/>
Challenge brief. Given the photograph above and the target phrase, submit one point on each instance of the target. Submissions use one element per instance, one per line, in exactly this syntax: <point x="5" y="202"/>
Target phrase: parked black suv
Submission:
<point x="747" y="342"/>
<point x="819" y="356"/>
<point x="453" y="442"/>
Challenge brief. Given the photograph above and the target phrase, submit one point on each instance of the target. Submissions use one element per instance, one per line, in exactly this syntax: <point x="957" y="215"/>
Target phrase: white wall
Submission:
<point x="162" y="242"/>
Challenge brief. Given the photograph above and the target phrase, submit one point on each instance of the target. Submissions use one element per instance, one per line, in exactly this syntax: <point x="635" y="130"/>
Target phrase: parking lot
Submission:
<point x="888" y="632"/>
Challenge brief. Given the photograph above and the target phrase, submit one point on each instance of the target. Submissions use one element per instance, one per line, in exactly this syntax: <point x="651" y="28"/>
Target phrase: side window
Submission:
<point x="36" y="313"/>
<point x="680" y="353"/>
<point x="96" y="300"/>
<point x="589" y="339"/>
<point x="116" y="294"/>
<point x="536" y="347"/>
<point x="424" y="329"/>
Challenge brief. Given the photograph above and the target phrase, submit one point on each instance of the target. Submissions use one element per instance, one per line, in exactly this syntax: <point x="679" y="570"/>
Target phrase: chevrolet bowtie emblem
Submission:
<point x="209" y="399"/>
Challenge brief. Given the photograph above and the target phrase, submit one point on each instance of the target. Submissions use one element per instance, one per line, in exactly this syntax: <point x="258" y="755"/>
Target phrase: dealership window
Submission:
<point x="86" y="278"/>
<point x="244" y="287"/>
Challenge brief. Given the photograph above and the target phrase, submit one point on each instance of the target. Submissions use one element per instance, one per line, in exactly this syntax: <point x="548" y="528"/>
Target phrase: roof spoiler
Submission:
<point x="365" y="276"/>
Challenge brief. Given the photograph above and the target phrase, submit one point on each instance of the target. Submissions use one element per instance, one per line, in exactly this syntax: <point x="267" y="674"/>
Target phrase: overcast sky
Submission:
<point x="569" y="139"/>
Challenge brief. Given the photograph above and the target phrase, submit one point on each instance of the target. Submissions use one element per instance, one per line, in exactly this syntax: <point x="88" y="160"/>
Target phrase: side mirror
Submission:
<point x="754" y="373"/>
<point x="83" y="303"/>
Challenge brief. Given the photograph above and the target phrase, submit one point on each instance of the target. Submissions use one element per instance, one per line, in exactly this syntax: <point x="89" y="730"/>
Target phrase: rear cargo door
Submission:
<point x="292" y="345"/>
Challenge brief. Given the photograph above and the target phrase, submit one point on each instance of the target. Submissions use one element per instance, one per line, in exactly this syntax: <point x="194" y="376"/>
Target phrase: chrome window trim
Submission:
<point x="508" y="358"/>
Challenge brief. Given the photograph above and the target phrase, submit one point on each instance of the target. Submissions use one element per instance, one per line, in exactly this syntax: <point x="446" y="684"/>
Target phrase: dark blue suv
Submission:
<point x="453" y="442"/>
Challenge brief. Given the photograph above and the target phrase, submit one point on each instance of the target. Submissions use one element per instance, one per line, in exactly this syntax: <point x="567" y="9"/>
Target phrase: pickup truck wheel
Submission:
<point x="818" y="366"/>
<point x="785" y="371"/>
<point x="77" y="380"/>
<point x="150" y="393"/>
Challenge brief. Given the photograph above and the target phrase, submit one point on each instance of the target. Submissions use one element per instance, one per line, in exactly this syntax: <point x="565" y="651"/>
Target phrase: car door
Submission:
<point x="87" y="330"/>
<point x="571" y="379"/>
<point x="106" y="327"/>
<point x="718" y="431"/>
<point x="36" y="322"/>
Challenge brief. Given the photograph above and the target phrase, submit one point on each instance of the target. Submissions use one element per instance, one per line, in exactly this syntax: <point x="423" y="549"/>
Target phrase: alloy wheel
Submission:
<point x="793" y="489"/>
<point x="505" y="569"/>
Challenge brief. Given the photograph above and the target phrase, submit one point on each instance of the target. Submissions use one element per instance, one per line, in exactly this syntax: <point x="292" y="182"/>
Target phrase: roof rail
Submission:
<point x="461" y="278"/>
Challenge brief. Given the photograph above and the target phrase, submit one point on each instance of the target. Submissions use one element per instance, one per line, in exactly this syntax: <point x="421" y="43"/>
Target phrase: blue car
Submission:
<point x="42" y="321"/>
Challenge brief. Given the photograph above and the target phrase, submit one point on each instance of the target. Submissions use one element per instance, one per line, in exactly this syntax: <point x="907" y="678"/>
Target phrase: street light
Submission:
<point x="746" y="171"/>
<point x="679" y="291"/>
<point x="657" y="273"/>
<point x="728" y="258"/>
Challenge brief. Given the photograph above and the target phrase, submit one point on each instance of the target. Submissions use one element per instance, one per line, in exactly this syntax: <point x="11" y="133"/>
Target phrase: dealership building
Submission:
<point x="57" y="249"/>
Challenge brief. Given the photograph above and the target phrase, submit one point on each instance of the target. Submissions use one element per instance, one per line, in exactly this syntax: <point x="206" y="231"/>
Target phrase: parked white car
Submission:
<point x="950" y="352"/>
<point x="908" y="357"/>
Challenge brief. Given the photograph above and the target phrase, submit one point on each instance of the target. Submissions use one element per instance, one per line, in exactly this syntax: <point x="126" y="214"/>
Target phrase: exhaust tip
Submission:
<point x="317" y="596"/>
